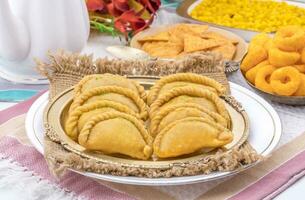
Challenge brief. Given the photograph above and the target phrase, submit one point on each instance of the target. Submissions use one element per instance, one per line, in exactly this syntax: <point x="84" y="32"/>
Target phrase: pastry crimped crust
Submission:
<point x="139" y="88"/>
<point x="185" y="77"/>
<point x="71" y="127"/>
<point x="85" y="133"/>
<point x="141" y="105"/>
<point x="193" y="92"/>
<point x="155" y="121"/>
<point x="224" y="136"/>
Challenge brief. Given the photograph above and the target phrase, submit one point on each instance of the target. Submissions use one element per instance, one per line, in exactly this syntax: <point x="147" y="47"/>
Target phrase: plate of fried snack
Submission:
<point x="244" y="17"/>
<point x="178" y="129"/>
<point x="117" y="117"/>
<point x="175" y="41"/>
<point x="276" y="65"/>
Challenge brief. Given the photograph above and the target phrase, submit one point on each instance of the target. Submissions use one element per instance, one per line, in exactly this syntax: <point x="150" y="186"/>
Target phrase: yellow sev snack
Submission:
<point x="256" y="15"/>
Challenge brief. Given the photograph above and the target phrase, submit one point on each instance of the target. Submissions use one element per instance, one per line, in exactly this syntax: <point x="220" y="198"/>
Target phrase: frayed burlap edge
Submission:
<point x="65" y="70"/>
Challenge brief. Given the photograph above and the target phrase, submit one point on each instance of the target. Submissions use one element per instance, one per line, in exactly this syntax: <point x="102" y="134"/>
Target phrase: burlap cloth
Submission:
<point x="65" y="70"/>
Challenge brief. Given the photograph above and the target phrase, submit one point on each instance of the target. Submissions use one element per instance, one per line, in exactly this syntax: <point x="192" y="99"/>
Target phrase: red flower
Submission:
<point x="95" y="5"/>
<point x="126" y="19"/>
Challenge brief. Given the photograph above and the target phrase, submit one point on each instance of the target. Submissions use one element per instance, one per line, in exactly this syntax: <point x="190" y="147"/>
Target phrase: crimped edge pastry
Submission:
<point x="155" y="121"/>
<point x="80" y="100"/>
<point x="189" y="91"/>
<point x="78" y="88"/>
<point x="72" y="121"/>
<point x="224" y="135"/>
<point x="85" y="132"/>
<point x="186" y="77"/>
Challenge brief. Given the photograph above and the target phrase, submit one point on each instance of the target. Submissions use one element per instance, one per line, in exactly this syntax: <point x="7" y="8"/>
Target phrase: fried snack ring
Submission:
<point x="261" y="79"/>
<point x="97" y="80"/>
<point x="279" y="58"/>
<point x="260" y="40"/>
<point x="251" y="73"/>
<point x="190" y="135"/>
<point x="204" y="81"/>
<point x="202" y="97"/>
<point x="80" y="115"/>
<point x="303" y="55"/>
<point x="285" y="81"/>
<point x="255" y="55"/>
<point x="112" y="93"/>
<point x="301" y="90"/>
<point x="301" y="68"/>
<point x="181" y="111"/>
<point x="116" y="132"/>
<point x="290" y="38"/>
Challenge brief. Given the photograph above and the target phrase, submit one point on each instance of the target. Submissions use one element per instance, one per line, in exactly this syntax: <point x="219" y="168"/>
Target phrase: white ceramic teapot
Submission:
<point x="30" y="28"/>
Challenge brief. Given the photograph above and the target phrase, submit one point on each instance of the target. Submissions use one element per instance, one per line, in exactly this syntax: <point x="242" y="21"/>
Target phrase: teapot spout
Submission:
<point x="14" y="36"/>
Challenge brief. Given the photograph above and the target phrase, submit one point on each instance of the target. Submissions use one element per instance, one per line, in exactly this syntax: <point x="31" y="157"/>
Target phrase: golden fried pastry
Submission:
<point x="217" y="36"/>
<point x="301" y="67"/>
<point x="97" y="80"/>
<point x="196" y="43"/>
<point x="269" y="44"/>
<point x="301" y="90"/>
<point x="290" y="38"/>
<point x="78" y="117"/>
<point x="180" y="80"/>
<point x="227" y="50"/>
<point x="161" y="36"/>
<point x="181" y="111"/>
<point x="262" y="78"/>
<point x="190" y="135"/>
<point x="260" y="39"/>
<point x="164" y="50"/>
<point x="116" y="132"/>
<point x="251" y="73"/>
<point x="303" y="55"/>
<point x="181" y="39"/>
<point x="183" y="28"/>
<point x="255" y="55"/>
<point x="279" y="58"/>
<point x="202" y="97"/>
<point x="285" y="81"/>
<point x="112" y="93"/>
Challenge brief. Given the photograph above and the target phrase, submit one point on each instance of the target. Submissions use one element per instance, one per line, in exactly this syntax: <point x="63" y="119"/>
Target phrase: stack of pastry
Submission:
<point x="181" y="114"/>
<point x="187" y="115"/>
<point x="107" y="114"/>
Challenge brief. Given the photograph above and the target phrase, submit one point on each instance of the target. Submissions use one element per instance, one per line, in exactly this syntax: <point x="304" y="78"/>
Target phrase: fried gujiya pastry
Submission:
<point x="190" y="135"/>
<point x="78" y="117"/>
<point x="112" y="93"/>
<point x="183" y="79"/>
<point x="181" y="111"/>
<point x="205" y="98"/>
<point x="117" y="133"/>
<point x="97" y="80"/>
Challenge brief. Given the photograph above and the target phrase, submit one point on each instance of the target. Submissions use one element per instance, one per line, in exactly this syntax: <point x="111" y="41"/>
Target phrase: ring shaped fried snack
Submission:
<point x="290" y="38"/>
<point x="261" y="79"/>
<point x="251" y="74"/>
<point x="303" y="55"/>
<point x="301" y="90"/>
<point x="255" y="55"/>
<point x="285" y="81"/>
<point x="279" y="58"/>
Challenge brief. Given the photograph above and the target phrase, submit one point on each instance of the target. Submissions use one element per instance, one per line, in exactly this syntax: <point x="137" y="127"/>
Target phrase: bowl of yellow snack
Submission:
<point x="178" y="40"/>
<point x="244" y="17"/>
<point x="275" y="66"/>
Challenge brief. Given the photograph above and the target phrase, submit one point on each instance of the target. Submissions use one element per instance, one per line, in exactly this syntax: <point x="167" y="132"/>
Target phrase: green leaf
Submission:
<point x="109" y="29"/>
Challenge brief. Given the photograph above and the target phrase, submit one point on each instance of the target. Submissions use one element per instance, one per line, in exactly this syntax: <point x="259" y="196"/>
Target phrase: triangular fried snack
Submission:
<point x="196" y="43"/>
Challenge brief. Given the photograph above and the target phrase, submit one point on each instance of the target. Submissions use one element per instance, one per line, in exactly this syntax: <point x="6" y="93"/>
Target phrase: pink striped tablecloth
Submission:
<point x="266" y="187"/>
